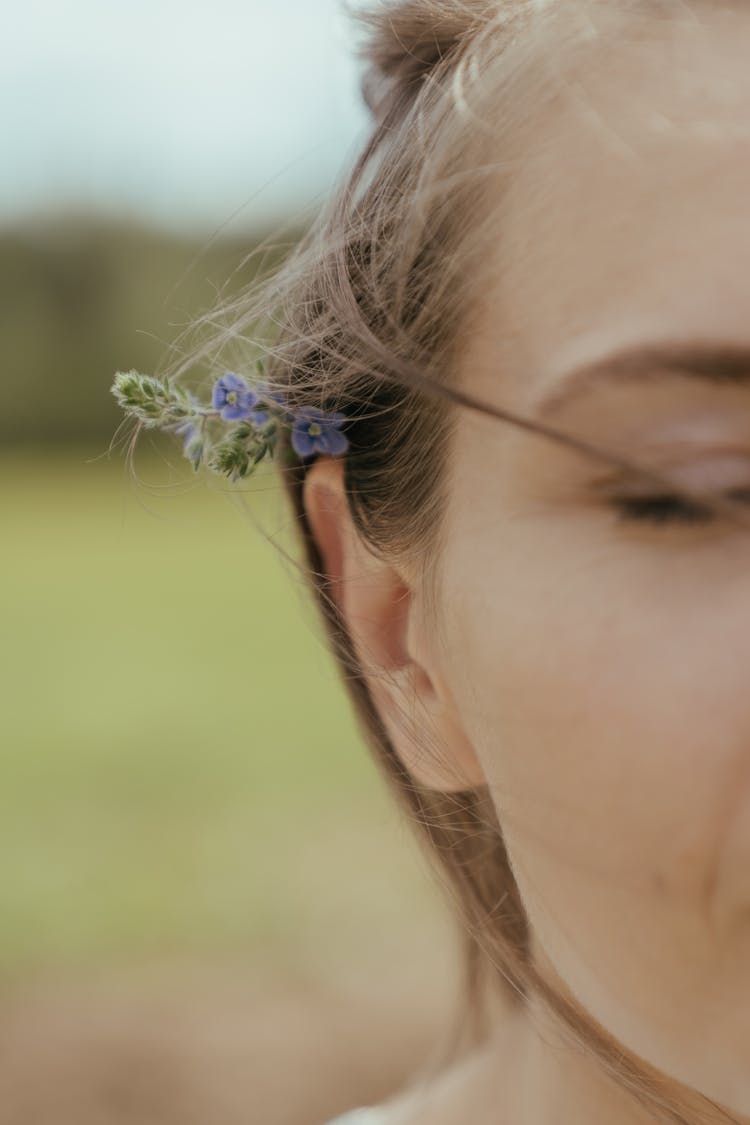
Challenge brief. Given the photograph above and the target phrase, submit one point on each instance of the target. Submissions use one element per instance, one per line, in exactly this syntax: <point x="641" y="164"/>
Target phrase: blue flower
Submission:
<point x="315" y="431"/>
<point x="233" y="398"/>
<point x="192" y="446"/>
<point x="259" y="417"/>
<point x="276" y="398"/>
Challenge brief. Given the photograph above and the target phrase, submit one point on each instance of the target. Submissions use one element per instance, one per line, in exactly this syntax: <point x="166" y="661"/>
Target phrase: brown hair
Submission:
<point x="366" y="316"/>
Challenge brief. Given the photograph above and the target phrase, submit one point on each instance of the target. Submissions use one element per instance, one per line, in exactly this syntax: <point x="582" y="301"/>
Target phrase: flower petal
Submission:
<point x="302" y="443"/>
<point x="219" y="396"/>
<point x="307" y="414"/>
<point x="234" y="382"/>
<point x="333" y="441"/>
<point x="233" y="411"/>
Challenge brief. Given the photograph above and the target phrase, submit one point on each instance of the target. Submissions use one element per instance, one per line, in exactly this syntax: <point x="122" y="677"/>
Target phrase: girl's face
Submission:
<point x="601" y="665"/>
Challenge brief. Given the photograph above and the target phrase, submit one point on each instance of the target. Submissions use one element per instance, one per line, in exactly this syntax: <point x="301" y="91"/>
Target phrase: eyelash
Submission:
<point x="664" y="509"/>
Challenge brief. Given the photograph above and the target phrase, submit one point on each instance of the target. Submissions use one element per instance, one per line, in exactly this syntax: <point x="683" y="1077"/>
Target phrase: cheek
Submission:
<point x="608" y="702"/>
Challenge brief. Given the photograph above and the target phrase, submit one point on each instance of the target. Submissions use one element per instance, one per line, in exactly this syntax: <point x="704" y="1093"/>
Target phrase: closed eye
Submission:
<point x="666" y="508"/>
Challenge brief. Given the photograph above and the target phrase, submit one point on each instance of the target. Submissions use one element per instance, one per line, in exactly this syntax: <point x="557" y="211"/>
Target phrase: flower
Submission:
<point x="315" y="431"/>
<point x="260" y="411"/>
<point x="233" y="398"/>
<point x="275" y="399"/>
<point x="192" y="446"/>
<point x="264" y="391"/>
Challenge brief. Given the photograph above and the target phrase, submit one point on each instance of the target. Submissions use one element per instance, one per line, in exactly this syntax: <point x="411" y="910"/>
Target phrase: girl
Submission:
<point x="507" y="385"/>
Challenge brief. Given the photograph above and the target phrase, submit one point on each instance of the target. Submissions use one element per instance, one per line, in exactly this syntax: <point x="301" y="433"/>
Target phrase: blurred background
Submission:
<point x="210" y="909"/>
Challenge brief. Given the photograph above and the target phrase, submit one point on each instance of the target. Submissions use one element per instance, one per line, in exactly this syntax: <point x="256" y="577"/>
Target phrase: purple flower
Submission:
<point x="276" y="398"/>
<point x="233" y="398"/>
<point x="260" y="417"/>
<point x="192" y="446"/>
<point x="315" y="431"/>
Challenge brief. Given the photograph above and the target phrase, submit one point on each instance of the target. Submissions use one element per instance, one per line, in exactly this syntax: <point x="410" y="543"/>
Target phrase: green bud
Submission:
<point x="153" y="401"/>
<point x="232" y="458"/>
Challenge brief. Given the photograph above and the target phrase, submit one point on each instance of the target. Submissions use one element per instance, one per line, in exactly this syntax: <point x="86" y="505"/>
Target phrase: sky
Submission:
<point x="190" y="115"/>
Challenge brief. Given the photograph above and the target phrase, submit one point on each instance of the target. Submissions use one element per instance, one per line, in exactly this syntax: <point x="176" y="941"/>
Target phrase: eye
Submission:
<point x="669" y="508"/>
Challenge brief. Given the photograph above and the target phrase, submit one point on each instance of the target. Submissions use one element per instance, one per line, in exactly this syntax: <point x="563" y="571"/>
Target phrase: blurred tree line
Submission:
<point x="80" y="299"/>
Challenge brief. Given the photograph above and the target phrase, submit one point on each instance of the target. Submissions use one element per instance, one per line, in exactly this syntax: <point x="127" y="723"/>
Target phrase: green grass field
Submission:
<point x="181" y="772"/>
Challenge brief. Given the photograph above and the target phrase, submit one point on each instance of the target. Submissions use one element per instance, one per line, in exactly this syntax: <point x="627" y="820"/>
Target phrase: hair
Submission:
<point x="367" y="315"/>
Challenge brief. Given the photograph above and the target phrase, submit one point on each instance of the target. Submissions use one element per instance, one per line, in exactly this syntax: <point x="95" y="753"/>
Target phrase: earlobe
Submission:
<point x="377" y="602"/>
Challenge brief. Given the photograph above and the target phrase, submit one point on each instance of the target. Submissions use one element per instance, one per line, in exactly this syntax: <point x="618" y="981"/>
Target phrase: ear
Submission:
<point x="382" y="610"/>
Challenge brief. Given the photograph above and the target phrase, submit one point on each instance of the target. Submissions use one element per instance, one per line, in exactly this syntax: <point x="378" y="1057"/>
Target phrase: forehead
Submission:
<point x="629" y="217"/>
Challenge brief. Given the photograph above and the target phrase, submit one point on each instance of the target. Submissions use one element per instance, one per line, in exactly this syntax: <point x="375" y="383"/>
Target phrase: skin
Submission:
<point x="594" y="673"/>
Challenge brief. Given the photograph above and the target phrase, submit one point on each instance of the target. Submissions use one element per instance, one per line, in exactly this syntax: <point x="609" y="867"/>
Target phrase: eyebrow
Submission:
<point x="704" y="361"/>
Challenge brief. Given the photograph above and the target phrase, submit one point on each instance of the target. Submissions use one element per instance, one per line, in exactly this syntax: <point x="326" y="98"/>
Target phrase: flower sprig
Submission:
<point x="259" y="411"/>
